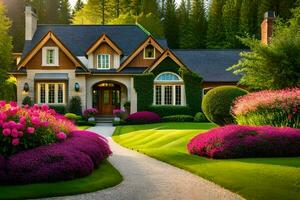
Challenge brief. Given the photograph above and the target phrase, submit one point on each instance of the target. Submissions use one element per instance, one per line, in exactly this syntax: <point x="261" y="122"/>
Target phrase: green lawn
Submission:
<point x="83" y="127"/>
<point x="103" y="177"/>
<point x="256" y="178"/>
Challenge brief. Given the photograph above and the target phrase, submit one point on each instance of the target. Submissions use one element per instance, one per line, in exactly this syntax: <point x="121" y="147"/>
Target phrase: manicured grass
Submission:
<point x="83" y="127"/>
<point x="103" y="177"/>
<point x="256" y="178"/>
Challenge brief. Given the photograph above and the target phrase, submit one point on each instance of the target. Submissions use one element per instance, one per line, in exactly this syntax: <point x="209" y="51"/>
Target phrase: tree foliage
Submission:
<point x="276" y="65"/>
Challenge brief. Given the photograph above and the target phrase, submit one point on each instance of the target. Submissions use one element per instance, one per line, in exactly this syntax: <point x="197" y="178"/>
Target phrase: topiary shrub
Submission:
<point x="270" y="107"/>
<point x="76" y="157"/>
<point x="235" y="141"/>
<point x="216" y="104"/>
<point x="59" y="109"/>
<point x="178" y="118"/>
<point x="27" y="101"/>
<point x="144" y="117"/>
<point x="164" y="111"/>
<point x="200" y="117"/>
<point x="73" y="116"/>
<point x="75" y="105"/>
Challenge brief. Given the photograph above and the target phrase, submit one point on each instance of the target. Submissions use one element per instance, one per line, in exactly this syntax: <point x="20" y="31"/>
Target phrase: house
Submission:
<point x="98" y="63"/>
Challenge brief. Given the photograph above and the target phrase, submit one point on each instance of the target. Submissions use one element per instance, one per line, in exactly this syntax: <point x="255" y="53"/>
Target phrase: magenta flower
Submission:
<point x="6" y="132"/>
<point x="14" y="133"/>
<point x="61" y="136"/>
<point x="15" y="142"/>
<point x="13" y="104"/>
<point x="2" y="103"/>
<point x="35" y="121"/>
<point x="30" y="130"/>
<point x="23" y="120"/>
<point x="20" y="133"/>
<point x="45" y="107"/>
<point x="12" y="124"/>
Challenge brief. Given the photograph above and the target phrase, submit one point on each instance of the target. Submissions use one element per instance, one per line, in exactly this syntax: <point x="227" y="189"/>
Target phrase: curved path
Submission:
<point x="148" y="179"/>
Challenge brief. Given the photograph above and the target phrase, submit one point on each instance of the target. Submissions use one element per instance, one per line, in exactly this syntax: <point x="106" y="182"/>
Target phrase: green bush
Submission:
<point x="200" y="117"/>
<point x="73" y="116"/>
<point x="164" y="111"/>
<point x="27" y="101"/>
<point x="119" y="123"/>
<point x="217" y="103"/>
<point x="59" y="109"/>
<point x="75" y="106"/>
<point x="85" y="123"/>
<point x="178" y="118"/>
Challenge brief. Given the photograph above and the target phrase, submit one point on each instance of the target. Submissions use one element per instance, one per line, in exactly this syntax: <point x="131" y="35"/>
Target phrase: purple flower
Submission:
<point x="143" y="118"/>
<point x="61" y="136"/>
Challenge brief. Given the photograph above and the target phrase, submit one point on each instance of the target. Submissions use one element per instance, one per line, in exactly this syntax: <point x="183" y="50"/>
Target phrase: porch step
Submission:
<point x="104" y="119"/>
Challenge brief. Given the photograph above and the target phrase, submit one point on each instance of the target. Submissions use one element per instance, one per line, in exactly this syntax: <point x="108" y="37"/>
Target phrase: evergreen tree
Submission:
<point x="125" y="6"/>
<point x="52" y="14"/>
<point x="115" y="8"/>
<point x="78" y="6"/>
<point x="136" y="7"/>
<point x="231" y="16"/>
<point x="281" y="8"/>
<point x="171" y="26"/>
<point x="216" y="36"/>
<point x="40" y="7"/>
<point x="199" y="25"/>
<point x="185" y="29"/>
<point x="64" y="12"/>
<point x="150" y="6"/>
<point x="249" y="18"/>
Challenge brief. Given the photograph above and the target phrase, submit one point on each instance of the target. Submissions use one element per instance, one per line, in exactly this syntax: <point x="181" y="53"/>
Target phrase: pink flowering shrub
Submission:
<point x="76" y="157"/>
<point x="279" y="108"/>
<point x="91" y="112"/>
<point x="235" y="141"/>
<point x="122" y="114"/>
<point x="29" y="127"/>
<point x="144" y="117"/>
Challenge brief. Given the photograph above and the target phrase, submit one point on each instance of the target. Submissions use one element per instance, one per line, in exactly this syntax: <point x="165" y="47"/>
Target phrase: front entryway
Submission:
<point x="107" y="97"/>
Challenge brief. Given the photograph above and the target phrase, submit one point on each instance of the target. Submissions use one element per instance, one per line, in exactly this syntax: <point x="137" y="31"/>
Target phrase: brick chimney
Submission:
<point x="267" y="27"/>
<point x="30" y="22"/>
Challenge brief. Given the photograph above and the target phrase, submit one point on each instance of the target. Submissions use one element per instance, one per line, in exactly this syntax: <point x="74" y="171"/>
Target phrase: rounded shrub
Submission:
<point x="217" y="103"/>
<point x="144" y="117"/>
<point x="200" y="117"/>
<point x="76" y="157"/>
<point x="178" y="118"/>
<point x="235" y="141"/>
<point x="73" y="116"/>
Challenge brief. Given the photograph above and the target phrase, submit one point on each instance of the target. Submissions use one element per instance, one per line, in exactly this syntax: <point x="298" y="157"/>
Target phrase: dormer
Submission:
<point x="145" y="55"/>
<point x="104" y="54"/>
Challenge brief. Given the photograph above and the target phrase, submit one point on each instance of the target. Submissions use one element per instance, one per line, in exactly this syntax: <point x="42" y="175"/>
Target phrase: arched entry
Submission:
<point x="107" y="96"/>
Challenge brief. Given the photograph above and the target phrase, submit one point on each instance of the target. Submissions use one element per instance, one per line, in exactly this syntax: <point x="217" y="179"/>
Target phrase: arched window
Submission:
<point x="169" y="89"/>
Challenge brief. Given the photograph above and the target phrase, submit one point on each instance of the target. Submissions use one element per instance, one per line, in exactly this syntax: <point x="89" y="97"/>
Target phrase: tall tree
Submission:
<point x="185" y="28"/>
<point x="216" y="36"/>
<point x="5" y="53"/>
<point x="64" y="12"/>
<point x="171" y="26"/>
<point x="199" y="24"/>
<point x="125" y="6"/>
<point x="51" y="10"/>
<point x="249" y="18"/>
<point x="40" y="7"/>
<point x="136" y="6"/>
<point x="231" y="16"/>
<point x="150" y="6"/>
<point x="78" y="6"/>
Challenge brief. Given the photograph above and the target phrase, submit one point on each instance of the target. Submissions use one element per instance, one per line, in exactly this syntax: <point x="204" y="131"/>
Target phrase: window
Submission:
<point x="103" y="61"/>
<point x="168" y="89"/>
<point x="51" y="93"/>
<point x="149" y="52"/>
<point x="50" y="56"/>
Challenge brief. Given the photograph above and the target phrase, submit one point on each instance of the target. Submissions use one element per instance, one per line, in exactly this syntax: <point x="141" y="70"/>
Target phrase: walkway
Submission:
<point x="149" y="179"/>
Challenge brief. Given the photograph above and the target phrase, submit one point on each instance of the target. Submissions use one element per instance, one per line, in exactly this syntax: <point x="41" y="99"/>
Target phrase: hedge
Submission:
<point x="164" y="111"/>
<point x="143" y="85"/>
<point x="178" y="118"/>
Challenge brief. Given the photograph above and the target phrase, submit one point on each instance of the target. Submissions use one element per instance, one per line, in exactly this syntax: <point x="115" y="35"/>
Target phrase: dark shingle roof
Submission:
<point x="78" y="38"/>
<point x="211" y="64"/>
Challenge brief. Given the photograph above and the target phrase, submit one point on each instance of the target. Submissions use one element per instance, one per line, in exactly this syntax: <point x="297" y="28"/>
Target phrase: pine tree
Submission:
<point x="125" y="6"/>
<point x="64" y="12"/>
<point x="114" y="8"/>
<point x="249" y="18"/>
<point x="150" y="6"/>
<point x="78" y="6"/>
<point x="199" y="24"/>
<point x="185" y="33"/>
<point x="215" y="30"/>
<point x="171" y="26"/>
<point x="231" y="16"/>
<point x="136" y="7"/>
<point x="40" y="7"/>
<point x="51" y="10"/>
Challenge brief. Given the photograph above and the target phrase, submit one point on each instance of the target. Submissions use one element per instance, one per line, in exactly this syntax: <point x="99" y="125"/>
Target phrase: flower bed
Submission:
<point x="246" y="141"/>
<point x="75" y="157"/>
<point x="270" y="107"/>
<point x="30" y="127"/>
<point x="143" y="118"/>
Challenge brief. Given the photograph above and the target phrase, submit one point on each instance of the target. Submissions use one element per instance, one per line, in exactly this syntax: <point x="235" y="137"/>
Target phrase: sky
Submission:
<point x="73" y="2"/>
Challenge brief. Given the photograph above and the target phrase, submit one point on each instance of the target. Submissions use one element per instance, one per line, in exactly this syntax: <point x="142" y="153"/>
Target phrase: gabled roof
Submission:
<point x="166" y="54"/>
<point x="211" y="64"/>
<point x="140" y="48"/>
<point x="104" y="39"/>
<point x="49" y="36"/>
<point x="78" y="38"/>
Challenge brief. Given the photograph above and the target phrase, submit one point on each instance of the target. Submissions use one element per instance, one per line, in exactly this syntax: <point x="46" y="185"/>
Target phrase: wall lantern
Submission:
<point x="77" y="87"/>
<point x="26" y="87"/>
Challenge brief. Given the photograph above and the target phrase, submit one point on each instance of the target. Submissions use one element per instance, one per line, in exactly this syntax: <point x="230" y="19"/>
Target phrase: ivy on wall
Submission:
<point x="143" y="85"/>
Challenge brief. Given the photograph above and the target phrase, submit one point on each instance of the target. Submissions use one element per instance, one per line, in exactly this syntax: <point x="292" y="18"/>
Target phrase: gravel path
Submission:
<point x="148" y="179"/>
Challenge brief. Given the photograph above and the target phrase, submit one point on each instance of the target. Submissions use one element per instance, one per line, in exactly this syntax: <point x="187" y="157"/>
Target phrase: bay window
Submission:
<point x="51" y="93"/>
<point x="168" y="89"/>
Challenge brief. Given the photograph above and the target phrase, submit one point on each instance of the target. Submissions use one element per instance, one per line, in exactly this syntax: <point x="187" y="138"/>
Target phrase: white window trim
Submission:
<point x="168" y="81"/>
<point x="56" y="56"/>
<point x="109" y="57"/>
<point x="55" y="93"/>
<point x="163" y="86"/>
<point x="149" y="58"/>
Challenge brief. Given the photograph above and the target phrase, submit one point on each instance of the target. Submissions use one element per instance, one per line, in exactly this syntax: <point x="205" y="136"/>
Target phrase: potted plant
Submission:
<point x="90" y="114"/>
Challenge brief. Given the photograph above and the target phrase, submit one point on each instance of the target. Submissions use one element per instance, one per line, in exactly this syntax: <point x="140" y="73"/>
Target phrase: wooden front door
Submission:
<point x="109" y="99"/>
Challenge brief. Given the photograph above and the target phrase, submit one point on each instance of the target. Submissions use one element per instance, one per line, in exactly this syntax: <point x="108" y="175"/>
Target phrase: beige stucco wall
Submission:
<point x="73" y="78"/>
